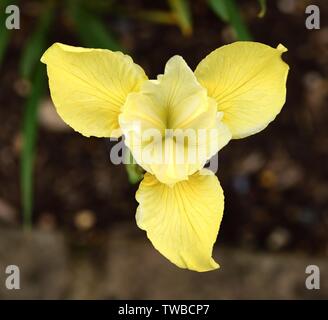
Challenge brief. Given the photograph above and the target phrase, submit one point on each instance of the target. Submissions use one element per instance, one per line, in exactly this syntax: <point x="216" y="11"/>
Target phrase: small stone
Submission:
<point x="316" y="92"/>
<point x="241" y="184"/>
<point x="268" y="179"/>
<point x="85" y="220"/>
<point x="307" y="216"/>
<point x="278" y="239"/>
<point x="228" y="34"/>
<point x="287" y="6"/>
<point x="49" y="118"/>
<point x="47" y="221"/>
<point x="290" y="177"/>
<point x="251" y="163"/>
<point x="17" y="143"/>
<point x="22" y="87"/>
<point x="8" y="213"/>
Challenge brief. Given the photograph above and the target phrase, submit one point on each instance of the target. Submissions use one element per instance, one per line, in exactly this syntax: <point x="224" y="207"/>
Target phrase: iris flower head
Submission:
<point x="172" y="126"/>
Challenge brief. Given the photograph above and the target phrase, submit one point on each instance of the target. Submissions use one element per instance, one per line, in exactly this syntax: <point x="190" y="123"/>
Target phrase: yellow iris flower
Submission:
<point x="236" y="91"/>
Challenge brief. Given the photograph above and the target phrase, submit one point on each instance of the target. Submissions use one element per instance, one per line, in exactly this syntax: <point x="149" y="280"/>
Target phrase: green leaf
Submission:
<point x="36" y="43"/>
<point x="182" y="12"/>
<point x="91" y="30"/>
<point x="32" y="69"/>
<point x="98" y="6"/>
<point x="157" y="16"/>
<point x="134" y="171"/>
<point x="4" y="41"/>
<point x="29" y="142"/>
<point x="219" y="7"/>
<point x="231" y="11"/>
<point x="262" y="12"/>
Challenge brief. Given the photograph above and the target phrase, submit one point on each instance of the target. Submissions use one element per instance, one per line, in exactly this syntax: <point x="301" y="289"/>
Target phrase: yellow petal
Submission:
<point x="248" y="82"/>
<point x="175" y="102"/>
<point x="90" y="86"/>
<point x="171" y="101"/>
<point x="182" y="221"/>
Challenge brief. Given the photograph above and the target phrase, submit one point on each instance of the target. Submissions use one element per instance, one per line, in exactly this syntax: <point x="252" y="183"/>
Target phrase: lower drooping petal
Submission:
<point x="182" y="221"/>
<point x="89" y="86"/>
<point x="248" y="82"/>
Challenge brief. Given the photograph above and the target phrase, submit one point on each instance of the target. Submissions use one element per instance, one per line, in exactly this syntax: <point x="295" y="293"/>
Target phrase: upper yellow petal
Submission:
<point x="172" y="101"/>
<point x="248" y="82"/>
<point x="182" y="221"/>
<point x="90" y="86"/>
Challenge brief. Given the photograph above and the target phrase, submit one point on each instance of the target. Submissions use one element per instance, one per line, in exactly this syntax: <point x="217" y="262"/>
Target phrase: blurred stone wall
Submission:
<point x="125" y="266"/>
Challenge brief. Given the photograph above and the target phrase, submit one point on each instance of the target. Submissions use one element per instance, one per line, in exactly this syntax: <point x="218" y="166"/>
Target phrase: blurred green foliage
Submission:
<point x="29" y="143"/>
<point x="31" y="70"/>
<point x="228" y="11"/>
<point x="263" y="8"/>
<point x="182" y="12"/>
<point x="134" y="171"/>
<point x="92" y="31"/>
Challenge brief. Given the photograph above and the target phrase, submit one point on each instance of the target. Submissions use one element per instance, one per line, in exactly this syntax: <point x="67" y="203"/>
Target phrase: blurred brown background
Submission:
<point x="85" y="243"/>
